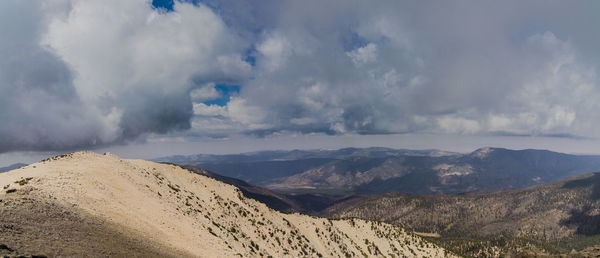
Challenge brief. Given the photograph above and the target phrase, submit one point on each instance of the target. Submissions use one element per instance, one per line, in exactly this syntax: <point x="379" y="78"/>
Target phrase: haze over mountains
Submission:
<point x="86" y="204"/>
<point x="381" y="170"/>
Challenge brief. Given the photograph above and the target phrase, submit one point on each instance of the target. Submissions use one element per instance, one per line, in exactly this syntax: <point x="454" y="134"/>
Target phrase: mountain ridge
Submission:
<point x="281" y="155"/>
<point x="481" y="170"/>
<point x="177" y="213"/>
<point x="554" y="217"/>
<point x="379" y="170"/>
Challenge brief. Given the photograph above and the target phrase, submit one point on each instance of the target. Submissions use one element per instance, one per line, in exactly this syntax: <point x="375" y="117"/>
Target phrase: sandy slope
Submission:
<point x="178" y="212"/>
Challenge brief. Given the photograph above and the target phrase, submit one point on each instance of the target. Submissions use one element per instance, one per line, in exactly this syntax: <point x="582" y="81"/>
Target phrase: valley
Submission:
<point x="491" y="202"/>
<point x="555" y="217"/>
<point x="381" y="170"/>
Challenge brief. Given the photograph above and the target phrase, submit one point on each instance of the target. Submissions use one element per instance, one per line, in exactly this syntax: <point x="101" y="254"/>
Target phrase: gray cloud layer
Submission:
<point x="39" y="102"/>
<point x="73" y="76"/>
<point x="391" y="67"/>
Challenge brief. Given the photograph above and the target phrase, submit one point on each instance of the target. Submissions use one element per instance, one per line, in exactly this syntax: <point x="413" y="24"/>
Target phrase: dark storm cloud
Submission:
<point x="156" y="114"/>
<point x="39" y="106"/>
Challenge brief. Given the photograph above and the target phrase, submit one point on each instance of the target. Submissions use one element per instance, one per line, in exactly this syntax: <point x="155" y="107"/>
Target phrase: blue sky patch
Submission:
<point x="163" y="4"/>
<point x="168" y="4"/>
<point x="226" y="91"/>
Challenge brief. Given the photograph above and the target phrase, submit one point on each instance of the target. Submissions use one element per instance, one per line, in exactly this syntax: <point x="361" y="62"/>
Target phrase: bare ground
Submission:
<point x="30" y="227"/>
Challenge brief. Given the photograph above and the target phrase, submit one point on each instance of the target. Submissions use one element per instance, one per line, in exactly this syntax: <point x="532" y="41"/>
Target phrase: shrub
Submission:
<point x="23" y="181"/>
<point x="175" y="188"/>
<point x="5" y="247"/>
<point x="210" y="230"/>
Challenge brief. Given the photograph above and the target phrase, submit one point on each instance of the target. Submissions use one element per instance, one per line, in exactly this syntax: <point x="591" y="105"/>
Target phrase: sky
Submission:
<point x="152" y="78"/>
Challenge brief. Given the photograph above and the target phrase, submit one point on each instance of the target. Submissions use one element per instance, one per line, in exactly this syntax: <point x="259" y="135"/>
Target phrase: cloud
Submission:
<point x="364" y="54"/>
<point x="389" y="67"/>
<point x="205" y="93"/>
<point x="38" y="100"/>
<point x="73" y="76"/>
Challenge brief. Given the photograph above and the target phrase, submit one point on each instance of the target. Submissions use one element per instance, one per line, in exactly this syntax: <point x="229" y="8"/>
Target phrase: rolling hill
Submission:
<point x="552" y="218"/>
<point x="100" y="205"/>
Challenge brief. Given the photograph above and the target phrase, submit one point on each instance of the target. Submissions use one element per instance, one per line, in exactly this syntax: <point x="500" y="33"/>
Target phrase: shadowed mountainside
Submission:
<point x="555" y="217"/>
<point x="304" y="203"/>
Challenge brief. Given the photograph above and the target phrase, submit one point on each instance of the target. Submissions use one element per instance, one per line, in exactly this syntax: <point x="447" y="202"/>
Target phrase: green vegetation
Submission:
<point x="553" y="218"/>
<point x="58" y="157"/>
<point x="23" y="181"/>
<point x="577" y="242"/>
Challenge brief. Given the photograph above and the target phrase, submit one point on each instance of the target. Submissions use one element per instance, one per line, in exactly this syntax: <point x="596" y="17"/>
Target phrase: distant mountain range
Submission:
<point x="382" y="170"/>
<point x="552" y="218"/>
<point x="280" y="155"/>
<point x="547" y="219"/>
<point x="11" y="167"/>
